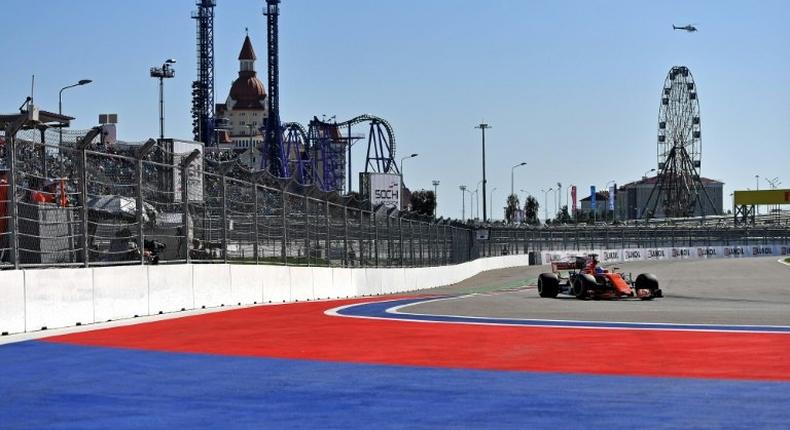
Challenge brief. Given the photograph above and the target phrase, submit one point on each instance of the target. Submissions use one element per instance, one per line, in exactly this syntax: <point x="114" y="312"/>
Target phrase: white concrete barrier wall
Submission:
<point x="12" y="301"/>
<point x="32" y="299"/>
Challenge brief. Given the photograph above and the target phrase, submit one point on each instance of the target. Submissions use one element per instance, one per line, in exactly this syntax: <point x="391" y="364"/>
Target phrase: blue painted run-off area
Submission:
<point x="56" y="386"/>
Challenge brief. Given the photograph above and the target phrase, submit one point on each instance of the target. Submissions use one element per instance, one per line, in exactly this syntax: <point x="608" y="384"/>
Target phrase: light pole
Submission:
<point x="60" y="104"/>
<point x="483" y="127"/>
<point x="435" y="183"/>
<point x="512" y="169"/>
<point x="651" y="170"/>
<point x="402" y="186"/>
<point x="162" y="73"/>
<point x="558" y="197"/>
<point x="463" y="202"/>
<point x="477" y="199"/>
<point x="546" y="203"/>
<point x="492" y="202"/>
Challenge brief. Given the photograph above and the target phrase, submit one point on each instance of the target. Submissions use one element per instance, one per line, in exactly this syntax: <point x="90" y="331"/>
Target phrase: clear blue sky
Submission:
<point x="571" y="87"/>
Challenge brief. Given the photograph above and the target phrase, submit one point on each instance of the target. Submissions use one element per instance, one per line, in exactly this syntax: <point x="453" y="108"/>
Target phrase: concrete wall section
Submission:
<point x="58" y="298"/>
<point x="211" y="284"/>
<point x="170" y="288"/>
<point x="341" y="283"/>
<point x="276" y="283"/>
<point x="120" y="292"/>
<point x="323" y="286"/>
<point x="246" y="284"/>
<point x="301" y="284"/>
<point x="12" y="301"/>
<point x="32" y="299"/>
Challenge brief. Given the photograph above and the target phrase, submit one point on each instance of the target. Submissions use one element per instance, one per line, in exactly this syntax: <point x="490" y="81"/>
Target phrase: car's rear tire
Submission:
<point x="582" y="284"/>
<point x="648" y="281"/>
<point x="548" y="285"/>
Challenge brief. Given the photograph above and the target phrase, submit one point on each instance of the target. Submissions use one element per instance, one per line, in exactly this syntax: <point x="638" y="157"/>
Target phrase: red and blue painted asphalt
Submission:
<point x="355" y="364"/>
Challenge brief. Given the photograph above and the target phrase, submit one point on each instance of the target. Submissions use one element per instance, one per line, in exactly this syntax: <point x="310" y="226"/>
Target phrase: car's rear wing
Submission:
<point x="558" y="266"/>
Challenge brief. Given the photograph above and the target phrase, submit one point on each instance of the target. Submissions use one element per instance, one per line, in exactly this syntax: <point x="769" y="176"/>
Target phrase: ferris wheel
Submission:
<point x="678" y="189"/>
<point x="679" y="118"/>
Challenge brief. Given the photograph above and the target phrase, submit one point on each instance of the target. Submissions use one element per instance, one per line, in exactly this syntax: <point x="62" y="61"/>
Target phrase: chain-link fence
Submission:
<point x="68" y="200"/>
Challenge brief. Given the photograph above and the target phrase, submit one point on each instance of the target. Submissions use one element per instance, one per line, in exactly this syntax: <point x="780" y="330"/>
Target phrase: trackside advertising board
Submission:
<point x="681" y="253"/>
<point x="384" y="188"/>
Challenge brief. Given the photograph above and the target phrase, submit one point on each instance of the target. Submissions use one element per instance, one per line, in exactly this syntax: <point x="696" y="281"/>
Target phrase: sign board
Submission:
<point x="763" y="197"/>
<point x="182" y="149"/>
<point x="382" y="188"/>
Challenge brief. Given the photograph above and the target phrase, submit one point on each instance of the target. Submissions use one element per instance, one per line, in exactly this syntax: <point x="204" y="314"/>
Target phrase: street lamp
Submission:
<point x="512" y="169"/>
<point x="435" y="183"/>
<point x="651" y="170"/>
<point x="546" y="203"/>
<point x="402" y="186"/>
<point x="483" y="127"/>
<point x="463" y="202"/>
<point x="477" y="199"/>
<point x="162" y="73"/>
<point x="401" y="163"/>
<point x="60" y="103"/>
<point x="492" y="202"/>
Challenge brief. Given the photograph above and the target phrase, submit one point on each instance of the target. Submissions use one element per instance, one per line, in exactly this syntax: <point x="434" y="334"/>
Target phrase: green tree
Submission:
<point x="563" y="217"/>
<point x="423" y="202"/>
<point x="511" y="208"/>
<point x="531" y="207"/>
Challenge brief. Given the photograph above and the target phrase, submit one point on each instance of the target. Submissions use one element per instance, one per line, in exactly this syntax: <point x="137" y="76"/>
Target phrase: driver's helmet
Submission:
<point x="598" y="270"/>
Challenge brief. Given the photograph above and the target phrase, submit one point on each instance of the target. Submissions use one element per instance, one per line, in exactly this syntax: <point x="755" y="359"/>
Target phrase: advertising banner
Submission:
<point x="384" y="188"/>
<point x="573" y="196"/>
<point x="593" y="202"/>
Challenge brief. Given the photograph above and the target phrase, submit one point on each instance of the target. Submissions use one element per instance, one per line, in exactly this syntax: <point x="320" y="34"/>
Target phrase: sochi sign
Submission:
<point x="384" y="188"/>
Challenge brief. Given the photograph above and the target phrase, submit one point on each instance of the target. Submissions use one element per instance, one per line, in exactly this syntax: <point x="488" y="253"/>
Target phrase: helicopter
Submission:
<point x="688" y="28"/>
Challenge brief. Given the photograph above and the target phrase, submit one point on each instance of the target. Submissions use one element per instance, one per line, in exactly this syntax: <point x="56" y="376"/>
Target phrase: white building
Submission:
<point x="245" y="110"/>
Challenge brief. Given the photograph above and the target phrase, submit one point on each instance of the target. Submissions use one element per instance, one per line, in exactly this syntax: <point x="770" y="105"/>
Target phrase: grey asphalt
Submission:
<point x="723" y="291"/>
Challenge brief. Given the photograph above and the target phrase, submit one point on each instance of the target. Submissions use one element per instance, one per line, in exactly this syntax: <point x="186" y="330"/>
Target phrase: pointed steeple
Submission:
<point x="247" y="53"/>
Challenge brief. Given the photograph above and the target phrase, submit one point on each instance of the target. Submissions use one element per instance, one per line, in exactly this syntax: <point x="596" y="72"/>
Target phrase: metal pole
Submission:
<point x="400" y="240"/>
<point x="375" y="221"/>
<point x="283" y="247"/>
<point x="483" y="128"/>
<point x="139" y="211"/>
<point x="345" y="236"/>
<point x="307" y="227"/>
<point x="255" y="249"/>
<point x="161" y="108"/>
<point x="12" y="200"/>
<point x="224" y="219"/>
<point x="185" y="207"/>
<point x="328" y="234"/>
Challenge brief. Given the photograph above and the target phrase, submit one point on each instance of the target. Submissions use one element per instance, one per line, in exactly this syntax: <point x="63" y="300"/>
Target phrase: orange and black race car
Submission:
<point x="583" y="278"/>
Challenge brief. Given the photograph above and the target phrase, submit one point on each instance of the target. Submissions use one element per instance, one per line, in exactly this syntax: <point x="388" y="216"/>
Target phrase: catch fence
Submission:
<point x="68" y="200"/>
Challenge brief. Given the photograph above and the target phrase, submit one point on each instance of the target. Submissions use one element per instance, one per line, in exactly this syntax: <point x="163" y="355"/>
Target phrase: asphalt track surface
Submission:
<point x="469" y="356"/>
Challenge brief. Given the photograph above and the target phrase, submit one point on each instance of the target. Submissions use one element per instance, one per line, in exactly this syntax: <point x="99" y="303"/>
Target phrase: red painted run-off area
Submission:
<point x="303" y="331"/>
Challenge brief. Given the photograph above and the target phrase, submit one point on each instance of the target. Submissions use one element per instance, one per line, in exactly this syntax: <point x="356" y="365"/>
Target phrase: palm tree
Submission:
<point x="511" y="208"/>
<point x="531" y="207"/>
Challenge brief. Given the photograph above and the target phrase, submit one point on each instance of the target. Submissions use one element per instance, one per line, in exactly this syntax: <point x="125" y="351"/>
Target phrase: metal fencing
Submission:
<point x="67" y="200"/>
<point x="78" y="203"/>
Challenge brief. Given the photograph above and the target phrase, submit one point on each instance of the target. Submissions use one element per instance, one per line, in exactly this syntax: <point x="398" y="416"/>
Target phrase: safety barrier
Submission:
<point x="49" y="298"/>
<point x="677" y="253"/>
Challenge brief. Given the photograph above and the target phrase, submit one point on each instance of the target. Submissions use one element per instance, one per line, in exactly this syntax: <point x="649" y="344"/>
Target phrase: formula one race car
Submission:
<point x="585" y="279"/>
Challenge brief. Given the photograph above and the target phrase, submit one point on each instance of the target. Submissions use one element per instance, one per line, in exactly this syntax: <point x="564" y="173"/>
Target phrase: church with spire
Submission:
<point x="245" y="110"/>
